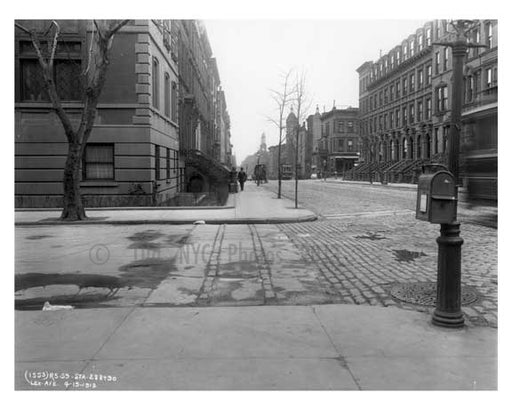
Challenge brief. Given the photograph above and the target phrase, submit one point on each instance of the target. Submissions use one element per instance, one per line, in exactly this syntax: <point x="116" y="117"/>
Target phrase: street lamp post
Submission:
<point x="448" y="311"/>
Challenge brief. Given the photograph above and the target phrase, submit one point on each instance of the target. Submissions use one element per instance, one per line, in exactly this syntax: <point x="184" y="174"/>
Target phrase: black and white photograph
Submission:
<point x="227" y="202"/>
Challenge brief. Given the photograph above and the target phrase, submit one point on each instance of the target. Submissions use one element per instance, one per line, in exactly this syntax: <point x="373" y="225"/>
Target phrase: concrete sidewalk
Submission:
<point x="252" y="206"/>
<point x="320" y="347"/>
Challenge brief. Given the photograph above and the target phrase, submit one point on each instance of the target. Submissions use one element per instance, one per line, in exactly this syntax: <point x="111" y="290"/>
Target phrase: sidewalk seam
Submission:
<point x="340" y="356"/>
<point x="92" y="359"/>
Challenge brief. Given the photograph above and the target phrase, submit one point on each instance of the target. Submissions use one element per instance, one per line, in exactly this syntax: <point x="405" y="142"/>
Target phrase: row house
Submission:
<point x="204" y="127"/>
<point x="340" y="139"/>
<point x="137" y="152"/>
<point x="405" y="101"/>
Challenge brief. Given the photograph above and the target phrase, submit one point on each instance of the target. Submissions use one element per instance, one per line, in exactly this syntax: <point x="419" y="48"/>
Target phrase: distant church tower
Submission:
<point x="263" y="144"/>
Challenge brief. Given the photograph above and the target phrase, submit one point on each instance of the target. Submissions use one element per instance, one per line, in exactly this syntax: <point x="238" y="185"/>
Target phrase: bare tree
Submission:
<point x="93" y="78"/>
<point x="302" y="101"/>
<point x="281" y="98"/>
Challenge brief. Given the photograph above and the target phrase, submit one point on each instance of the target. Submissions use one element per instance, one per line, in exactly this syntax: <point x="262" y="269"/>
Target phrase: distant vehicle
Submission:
<point x="481" y="173"/>
<point x="260" y="173"/>
<point x="286" y="171"/>
<point x="314" y="176"/>
<point x="479" y="169"/>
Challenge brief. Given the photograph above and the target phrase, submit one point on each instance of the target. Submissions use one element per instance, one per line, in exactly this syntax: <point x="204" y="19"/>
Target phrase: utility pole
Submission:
<point x="448" y="311"/>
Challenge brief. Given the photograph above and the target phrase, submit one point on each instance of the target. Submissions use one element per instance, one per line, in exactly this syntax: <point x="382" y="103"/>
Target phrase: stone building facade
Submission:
<point x="135" y="155"/>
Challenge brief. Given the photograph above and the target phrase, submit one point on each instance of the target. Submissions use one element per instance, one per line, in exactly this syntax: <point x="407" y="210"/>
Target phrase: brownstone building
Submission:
<point x="405" y="96"/>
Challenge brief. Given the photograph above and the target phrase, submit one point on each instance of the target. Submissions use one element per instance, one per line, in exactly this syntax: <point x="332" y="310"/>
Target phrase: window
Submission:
<point x="167" y="95"/>
<point x="411" y="48"/>
<point x="488" y="35"/>
<point x="438" y="31"/>
<point x="420" y="111"/>
<point x="436" y="140"/>
<point x="156" y="85"/>
<point x="385" y="96"/>
<point x="420" y="78"/>
<point x="392" y="61"/>
<point x="442" y="98"/>
<point x="350" y="126"/>
<point x="470" y="86"/>
<point x="380" y="122"/>
<point x="429" y="36"/>
<point x="341" y="126"/>
<point x="411" y="113"/>
<point x="420" y="42"/>
<point x="445" y="60"/>
<point x="429" y="74"/>
<point x="404" y="116"/>
<point x="350" y="145"/>
<point x="391" y="122"/>
<point x="327" y="129"/>
<point x="32" y="81"/>
<point x="404" y="86"/>
<point x="380" y="99"/>
<point x="176" y="160"/>
<point x="397" y="118"/>
<point x="475" y="35"/>
<point x="398" y="56"/>
<point x="168" y="164"/>
<point x="67" y="70"/>
<point x="391" y="92"/>
<point x="385" y="121"/>
<point x="437" y="62"/>
<point x="411" y="83"/>
<point x="428" y="102"/>
<point x="489" y="78"/>
<point x="157" y="162"/>
<point x="340" y="145"/>
<point x="404" y="52"/>
<point x="98" y="162"/>
<point x="398" y="89"/>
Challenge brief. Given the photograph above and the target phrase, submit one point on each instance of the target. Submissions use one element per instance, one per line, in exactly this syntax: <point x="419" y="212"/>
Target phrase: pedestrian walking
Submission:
<point x="242" y="177"/>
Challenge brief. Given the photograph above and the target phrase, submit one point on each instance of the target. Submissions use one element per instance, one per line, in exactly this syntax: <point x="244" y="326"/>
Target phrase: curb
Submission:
<point x="241" y="221"/>
<point x="376" y="184"/>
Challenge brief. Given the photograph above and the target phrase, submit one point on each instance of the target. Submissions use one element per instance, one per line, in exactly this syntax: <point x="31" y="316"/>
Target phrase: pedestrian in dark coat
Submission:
<point x="242" y="177"/>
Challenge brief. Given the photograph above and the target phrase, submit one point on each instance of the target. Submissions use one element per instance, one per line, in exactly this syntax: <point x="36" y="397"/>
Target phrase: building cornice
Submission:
<point x="401" y="67"/>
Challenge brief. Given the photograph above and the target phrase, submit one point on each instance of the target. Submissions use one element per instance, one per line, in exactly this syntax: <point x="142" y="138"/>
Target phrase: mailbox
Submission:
<point x="437" y="198"/>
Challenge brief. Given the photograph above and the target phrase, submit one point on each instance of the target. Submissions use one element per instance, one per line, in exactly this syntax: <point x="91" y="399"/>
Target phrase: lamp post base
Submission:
<point x="448" y="312"/>
<point x="452" y="320"/>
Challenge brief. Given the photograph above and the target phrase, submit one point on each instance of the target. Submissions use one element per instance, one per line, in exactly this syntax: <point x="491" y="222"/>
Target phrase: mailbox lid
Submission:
<point x="443" y="186"/>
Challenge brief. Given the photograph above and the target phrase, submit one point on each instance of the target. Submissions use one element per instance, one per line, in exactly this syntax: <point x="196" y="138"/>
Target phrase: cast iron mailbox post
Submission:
<point x="437" y="203"/>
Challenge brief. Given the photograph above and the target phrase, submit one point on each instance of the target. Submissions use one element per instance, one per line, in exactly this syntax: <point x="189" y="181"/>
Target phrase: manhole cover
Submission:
<point x="425" y="293"/>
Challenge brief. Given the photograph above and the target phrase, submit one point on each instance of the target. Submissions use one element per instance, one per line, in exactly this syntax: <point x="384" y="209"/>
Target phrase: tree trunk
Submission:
<point x="73" y="209"/>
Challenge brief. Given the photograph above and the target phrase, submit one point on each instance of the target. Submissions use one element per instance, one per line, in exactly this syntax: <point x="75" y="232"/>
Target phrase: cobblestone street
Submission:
<point x="367" y="248"/>
<point x="368" y="241"/>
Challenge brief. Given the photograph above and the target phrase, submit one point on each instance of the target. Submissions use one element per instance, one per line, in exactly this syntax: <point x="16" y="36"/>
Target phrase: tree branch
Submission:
<point x="117" y="27"/>
<point x="54" y="44"/>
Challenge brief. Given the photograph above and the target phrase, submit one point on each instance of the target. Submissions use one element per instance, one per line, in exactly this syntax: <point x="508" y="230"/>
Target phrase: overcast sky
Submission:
<point x="252" y="53"/>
